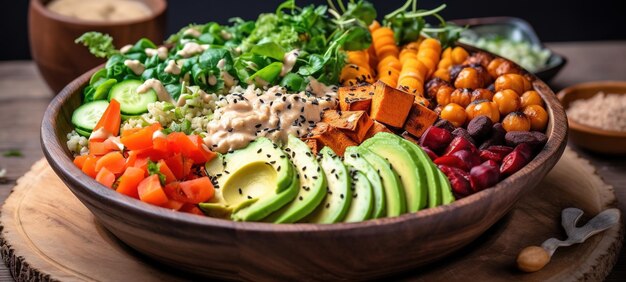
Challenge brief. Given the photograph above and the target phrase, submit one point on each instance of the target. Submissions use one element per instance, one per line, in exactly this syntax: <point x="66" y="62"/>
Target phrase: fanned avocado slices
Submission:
<point x="312" y="181"/>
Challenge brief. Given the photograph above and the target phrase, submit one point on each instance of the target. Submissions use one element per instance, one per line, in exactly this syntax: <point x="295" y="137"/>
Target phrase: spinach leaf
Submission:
<point x="269" y="49"/>
<point x="267" y="75"/>
<point x="293" y="82"/>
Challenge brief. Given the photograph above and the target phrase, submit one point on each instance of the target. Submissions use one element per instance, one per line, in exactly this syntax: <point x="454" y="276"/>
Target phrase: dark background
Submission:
<point x="559" y="20"/>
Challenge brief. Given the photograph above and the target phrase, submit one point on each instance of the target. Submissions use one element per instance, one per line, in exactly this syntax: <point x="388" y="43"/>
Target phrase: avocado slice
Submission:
<point x="338" y="196"/>
<point x="354" y="159"/>
<point x="254" y="182"/>
<point x="434" y="190"/>
<point x="447" y="196"/>
<point x="362" y="198"/>
<point x="312" y="180"/>
<point x="404" y="162"/>
<point x="395" y="200"/>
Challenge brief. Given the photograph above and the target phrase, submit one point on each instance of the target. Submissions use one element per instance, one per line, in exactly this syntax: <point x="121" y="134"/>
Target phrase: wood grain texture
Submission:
<point x="42" y="207"/>
<point x="52" y="36"/>
<point x="21" y="83"/>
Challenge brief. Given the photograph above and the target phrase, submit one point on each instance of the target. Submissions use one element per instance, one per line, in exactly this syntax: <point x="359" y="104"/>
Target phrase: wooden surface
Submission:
<point x="24" y="96"/>
<point x="42" y="207"/>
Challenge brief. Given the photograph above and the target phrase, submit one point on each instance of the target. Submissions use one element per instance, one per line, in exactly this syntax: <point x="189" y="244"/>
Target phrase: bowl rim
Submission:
<point x="597" y="86"/>
<point x="157" y="10"/>
<point x="65" y="168"/>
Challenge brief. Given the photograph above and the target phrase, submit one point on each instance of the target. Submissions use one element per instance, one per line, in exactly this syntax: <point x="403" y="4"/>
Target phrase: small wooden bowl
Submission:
<point x="593" y="138"/>
<point x="52" y="36"/>
<point x="265" y="251"/>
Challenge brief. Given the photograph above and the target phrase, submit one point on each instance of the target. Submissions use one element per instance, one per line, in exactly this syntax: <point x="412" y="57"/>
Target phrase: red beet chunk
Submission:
<point x="435" y="138"/>
<point x="459" y="181"/>
<point x="485" y="175"/>
<point x="459" y="143"/>
<point x="471" y="159"/>
<point x="452" y="161"/>
<point x="517" y="159"/>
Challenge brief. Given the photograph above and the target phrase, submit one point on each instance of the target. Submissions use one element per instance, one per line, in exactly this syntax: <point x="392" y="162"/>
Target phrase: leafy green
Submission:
<point x="293" y="82"/>
<point x="267" y="75"/>
<point x="153" y="168"/>
<point x="100" y="45"/>
<point x="270" y="50"/>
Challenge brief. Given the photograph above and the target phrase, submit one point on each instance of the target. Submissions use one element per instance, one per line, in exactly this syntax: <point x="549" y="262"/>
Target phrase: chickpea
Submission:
<point x="444" y="74"/>
<point x="516" y="121"/>
<point x="538" y="117"/>
<point x="532" y="259"/>
<point x="531" y="97"/>
<point x="482" y="93"/>
<point x="461" y="97"/>
<point x="500" y="66"/>
<point x="516" y="82"/>
<point x="443" y="95"/>
<point x="468" y="78"/>
<point x="483" y="108"/>
<point x="493" y="67"/>
<point x="507" y="101"/>
<point x="459" y="55"/>
<point x="454" y="114"/>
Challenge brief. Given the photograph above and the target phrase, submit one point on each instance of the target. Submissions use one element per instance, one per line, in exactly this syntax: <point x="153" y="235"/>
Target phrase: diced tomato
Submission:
<point x="151" y="153"/>
<point x="200" y="153"/>
<point x="160" y="144"/>
<point x="191" y="191"/>
<point x="142" y="163"/>
<point x="114" y="162"/>
<point x="150" y="191"/>
<point x="99" y="148"/>
<point x="175" y="164"/>
<point x="192" y="209"/>
<point x="165" y="170"/>
<point x="105" y="177"/>
<point x="187" y="165"/>
<point x="198" y="190"/>
<point x="173" y="205"/>
<point x="178" y="142"/>
<point x="141" y="139"/>
<point x="129" y="181"/>
<point x="89" y="167"/>
<point x="111" y="119"/>
<point x="79" y="161"/>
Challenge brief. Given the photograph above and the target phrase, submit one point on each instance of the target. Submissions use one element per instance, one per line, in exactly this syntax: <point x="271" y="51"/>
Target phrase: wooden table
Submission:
<point x="24" y="97"/>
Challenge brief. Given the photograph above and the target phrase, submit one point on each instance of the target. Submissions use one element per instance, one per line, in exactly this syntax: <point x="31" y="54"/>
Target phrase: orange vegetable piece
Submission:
<point x="111" y="119"/>
<point x="198" y="190"/>
<point x="150" y="191"/>
<point x="89" y="166"/>
<point x="129" y="181"/>
<point x="165" y="170"/>
<point x="175" y="164"/>
<point x="328" y="135"/>
<point x="173" y="205"/>
<point x="192" y="209"/>
<point x="390" y="106"/>
<point x="114" y="162"/>
<point x="79" y="161"/>
<point x="419" y="119"/>
<point x="105" y="177"/>
<point x="355" y="124"/>
<point x="160" y="144"/>
<point x="140" y="139"/>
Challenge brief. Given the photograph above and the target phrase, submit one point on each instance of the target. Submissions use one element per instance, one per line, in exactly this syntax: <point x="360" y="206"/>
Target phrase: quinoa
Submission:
<point x="605" y="111"/>
<point x="77" y="144"/>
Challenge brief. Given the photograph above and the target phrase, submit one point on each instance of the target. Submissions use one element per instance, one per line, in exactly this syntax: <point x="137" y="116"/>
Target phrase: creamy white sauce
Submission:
<point x="161" y="52"/>
<point x="229" y="80"/>
<point x="192" y="31"/>
<point x="226" y="35"/>
<point x="241" y="118"/>
<point x="289" y="60"/>
<point x="172" y="68"/>
<point x="191" y="49"/>
<point x="101" y="10"/>
<point x="136" y="66"/>
<point x="101" y="133"/>
<point x="126" y="48"/>
<point x="158" y="87"/>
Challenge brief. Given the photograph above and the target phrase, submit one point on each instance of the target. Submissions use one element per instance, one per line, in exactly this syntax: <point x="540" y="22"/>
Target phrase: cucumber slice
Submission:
<point x="87" y="116"/>
<point x="83" y="132"/>
<point x="131" y="102"/>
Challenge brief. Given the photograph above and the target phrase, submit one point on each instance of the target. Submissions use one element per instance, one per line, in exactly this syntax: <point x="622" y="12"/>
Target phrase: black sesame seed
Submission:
<point x="259" y="151"/>
<point x="314" y="176"/>
<point x="227" y="172"/>
<point x="240" y="192"/>
<point x="327" y="205"/>
<point x="249" y="197"/>
<point x="337" y="176"/>
<point x="278" y="168"/>
<point x="332" y="171"/>
<point x="300" y="198"/>
<point x="282" y="156"/>
<point x="268" y="156"/>
<point x="230" y="130"/>
<point x="303" y="168"/>
<point x="273" y="162"/>
<point x="353" y="156"/>
<point x="258" y="125"/>
<point x="341" y="196"/>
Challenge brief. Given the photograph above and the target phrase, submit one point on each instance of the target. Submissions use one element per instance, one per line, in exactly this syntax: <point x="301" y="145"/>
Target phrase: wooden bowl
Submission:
<point x="265" y="251"/>
<point x="593" y="138"/>
<point x="52" y="36"/>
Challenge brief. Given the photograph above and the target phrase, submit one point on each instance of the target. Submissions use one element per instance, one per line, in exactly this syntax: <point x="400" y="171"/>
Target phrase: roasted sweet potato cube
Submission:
<point x="355" y="124"/>
<point x="376" y="127"/>
<point x="313" y="144"/>
<point x="332" y="137"/>
<point x="355" y="98"/>
<point x="419" y="119"/>
<point x="389" y="105"/>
